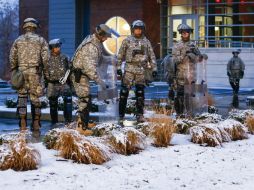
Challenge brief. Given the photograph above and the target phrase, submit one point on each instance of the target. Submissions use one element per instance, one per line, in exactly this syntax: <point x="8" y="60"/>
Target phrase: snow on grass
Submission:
<point x="183" y="166"/>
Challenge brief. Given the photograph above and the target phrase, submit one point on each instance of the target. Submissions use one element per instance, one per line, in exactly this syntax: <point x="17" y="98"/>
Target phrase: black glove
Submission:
<point x="228" y="73"/>
<point x="154" y="74"/>
<point x="192" y="56"/>
<point x="119" y="72"/>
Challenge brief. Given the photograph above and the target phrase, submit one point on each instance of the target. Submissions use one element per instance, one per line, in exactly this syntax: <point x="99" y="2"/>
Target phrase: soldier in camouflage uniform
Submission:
<point x="29" y="54"/>
<point x="185" y="55"/>
<point x="85" y="61"/>
<point x="235" y="71"/>
<point x="138" y="53"/>
<point x="58" y="67"/>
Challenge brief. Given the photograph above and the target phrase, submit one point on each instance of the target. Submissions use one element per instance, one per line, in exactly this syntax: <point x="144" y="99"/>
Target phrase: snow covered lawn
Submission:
<point x="182" y="166"/>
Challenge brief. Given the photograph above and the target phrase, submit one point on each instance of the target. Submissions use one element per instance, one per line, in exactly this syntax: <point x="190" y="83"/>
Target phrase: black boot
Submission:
<point x="53" y="102"/>
<point x="140" y="98"/>
<point x="83" y="119"/>
<point x="124" y="93"/>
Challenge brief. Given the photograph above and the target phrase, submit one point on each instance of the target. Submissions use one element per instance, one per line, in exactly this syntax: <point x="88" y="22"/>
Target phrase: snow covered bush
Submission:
<point x="17" y="155"/>
<point x="126" y="141"/>
<point x="235" y="129"/>
<point x="144" y="128"/>
<point x="250" y="124"/>
<point x="11" y="102"/>
<point x="212" y="109"/>
<point x="104" y="129"/>
<point x="183" y="125"/>
<point x="240" y="115"/>
<point x="207" y="134"/>
<point x="50" y="138"/>
<point x="213" y="134"/>
<point x="208" y="118"/>
<point x="162" y="129"/>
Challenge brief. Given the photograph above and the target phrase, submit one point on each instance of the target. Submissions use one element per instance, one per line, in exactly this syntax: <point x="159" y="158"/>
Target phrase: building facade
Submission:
<point x="219" y="26"/>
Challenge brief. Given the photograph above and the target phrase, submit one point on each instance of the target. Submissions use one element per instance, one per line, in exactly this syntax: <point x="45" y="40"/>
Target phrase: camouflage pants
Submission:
<point x="82" y="90"/>
<point x="32" y="88"/>
<point x="56" y="90"/>
<point x="133" y="75"/>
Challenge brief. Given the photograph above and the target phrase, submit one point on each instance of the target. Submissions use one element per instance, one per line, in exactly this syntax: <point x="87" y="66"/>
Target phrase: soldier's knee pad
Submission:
<point x="124" y="92"/>
<point x="22" y="103"/>
<point x="140" y="91"/>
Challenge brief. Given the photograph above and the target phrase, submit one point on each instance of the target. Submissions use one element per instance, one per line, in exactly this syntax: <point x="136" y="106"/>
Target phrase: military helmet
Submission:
<point x="103" y="30"/>
<point x="55" y="43"/>
<point x="236" y="51"/>
<point x="30" y="22"/>
<point x="138" y="24"/>
<point x="184" y="27"/>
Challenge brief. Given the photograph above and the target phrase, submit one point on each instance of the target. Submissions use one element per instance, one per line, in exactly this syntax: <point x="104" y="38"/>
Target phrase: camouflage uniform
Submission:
<point x="58" y="65"/>
<point x="86" y="59"/>
<point x="235" y="71"/>
<point x="138" y="54"/>
<point x="29" y="54"/>
<point x="185" y="62"/>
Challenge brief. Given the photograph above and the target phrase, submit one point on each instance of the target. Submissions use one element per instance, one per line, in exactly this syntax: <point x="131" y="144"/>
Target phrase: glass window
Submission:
<point x="119" y="24"/>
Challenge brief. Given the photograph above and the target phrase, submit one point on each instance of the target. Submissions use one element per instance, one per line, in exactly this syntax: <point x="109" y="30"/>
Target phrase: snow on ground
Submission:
<point x="182" y="166"/>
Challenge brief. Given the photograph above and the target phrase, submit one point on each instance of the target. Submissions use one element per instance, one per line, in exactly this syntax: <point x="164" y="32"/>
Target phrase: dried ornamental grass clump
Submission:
<point x="17" y="155"/>
<point x="207" y="134"/>
<point x="250" y="124"/>
<point x="126" y="141"/>
<point x="72" y="145"/>
<point x="235" y="129"/>
<point x="162" y="130"/>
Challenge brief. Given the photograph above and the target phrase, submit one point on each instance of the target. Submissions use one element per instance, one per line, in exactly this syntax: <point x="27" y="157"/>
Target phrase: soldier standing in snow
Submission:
<point x="29" y="54"/>
<point x="185" y="55"/>
<point x="85" y="61"/>
<point x="58" y="83"/>
<point x="235" y="71"/>
<point x="138" y="53"/>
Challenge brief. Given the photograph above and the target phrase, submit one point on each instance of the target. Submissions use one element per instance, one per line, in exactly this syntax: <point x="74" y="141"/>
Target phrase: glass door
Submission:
<point x="191" y="20"/>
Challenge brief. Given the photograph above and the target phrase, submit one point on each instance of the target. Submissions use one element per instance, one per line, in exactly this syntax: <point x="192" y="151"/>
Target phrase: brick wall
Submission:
<point x="37" y="9"/>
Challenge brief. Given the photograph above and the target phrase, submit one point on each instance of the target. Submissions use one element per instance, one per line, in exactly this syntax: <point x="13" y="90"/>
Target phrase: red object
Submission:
<point x="217" y="1"/>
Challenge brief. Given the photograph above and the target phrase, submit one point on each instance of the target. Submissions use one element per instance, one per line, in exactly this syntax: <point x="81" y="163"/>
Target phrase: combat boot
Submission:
<point x="83" y="123"/>
<point x="22" y="122"/>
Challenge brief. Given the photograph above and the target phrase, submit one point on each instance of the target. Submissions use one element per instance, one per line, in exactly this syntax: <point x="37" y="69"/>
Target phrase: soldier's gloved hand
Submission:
<point x="154" y="73"/>
<point x="119" y="72"/>
<point x="191" y="56"/>
<point x="228" y="73"/>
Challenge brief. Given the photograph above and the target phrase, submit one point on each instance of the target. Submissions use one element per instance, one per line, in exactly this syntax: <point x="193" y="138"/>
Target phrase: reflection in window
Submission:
<point x="119" y="24"/>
